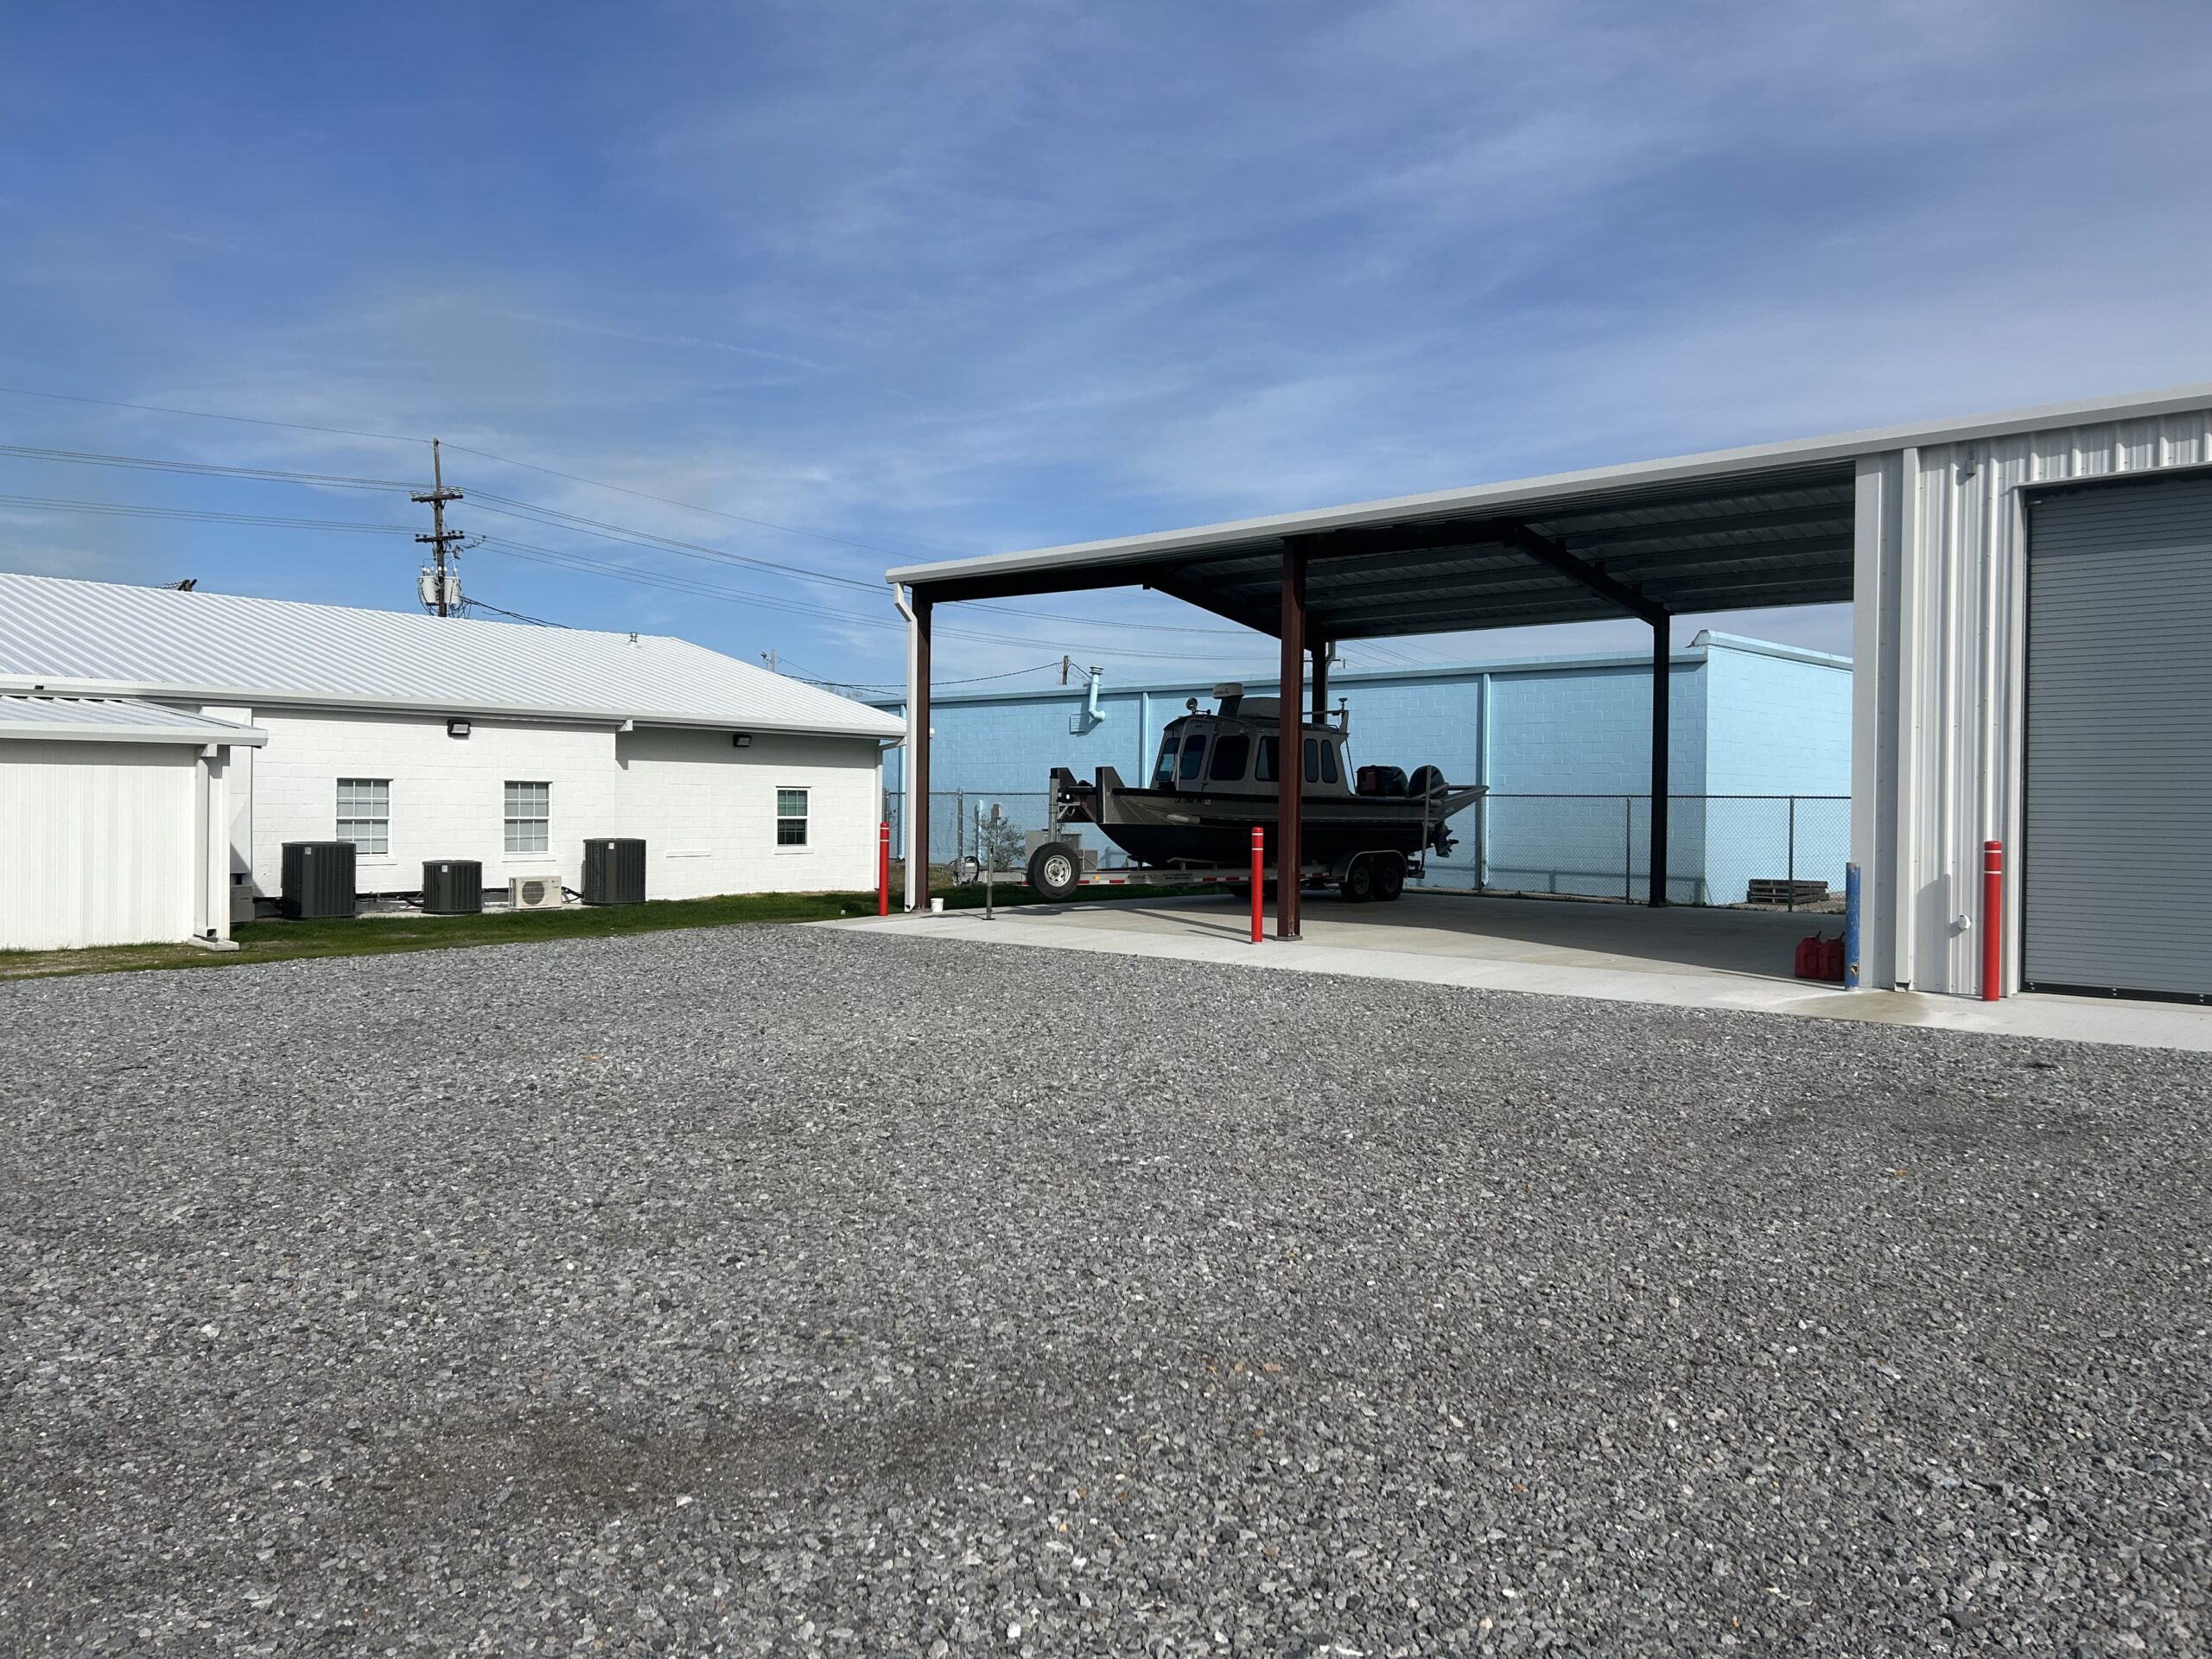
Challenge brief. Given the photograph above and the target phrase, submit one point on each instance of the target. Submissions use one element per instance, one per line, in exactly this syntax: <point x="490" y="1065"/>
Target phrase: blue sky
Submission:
<point x="952" y="278"/>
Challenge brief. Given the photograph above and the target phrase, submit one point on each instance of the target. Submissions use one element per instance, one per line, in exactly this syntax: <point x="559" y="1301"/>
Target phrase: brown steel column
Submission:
<point x="1662" y="664"/>
<point x="1290" y="732"/>
<point x="918" y="763"/>
<point x="1320" y="682"/>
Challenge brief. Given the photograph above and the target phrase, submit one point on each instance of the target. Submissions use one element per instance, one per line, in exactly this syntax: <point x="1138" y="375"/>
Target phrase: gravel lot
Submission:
<point x="785" y="1290"/>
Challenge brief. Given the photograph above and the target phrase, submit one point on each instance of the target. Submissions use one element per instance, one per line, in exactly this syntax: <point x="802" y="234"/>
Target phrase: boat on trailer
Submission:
<point x="1215" y="779"/>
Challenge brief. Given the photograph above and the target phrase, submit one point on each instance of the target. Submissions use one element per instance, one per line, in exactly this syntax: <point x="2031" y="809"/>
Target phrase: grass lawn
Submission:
<point x="363" y="935"/>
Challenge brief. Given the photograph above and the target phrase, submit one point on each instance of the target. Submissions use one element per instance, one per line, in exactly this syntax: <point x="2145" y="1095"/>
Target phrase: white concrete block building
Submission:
<point x="416" y="738"/>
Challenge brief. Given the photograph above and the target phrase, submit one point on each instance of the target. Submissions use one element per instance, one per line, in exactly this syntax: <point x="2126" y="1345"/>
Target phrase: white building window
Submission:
<point x="529" y="815"/>
<point x="365" y="814"/>
<point x="790" y="817"/>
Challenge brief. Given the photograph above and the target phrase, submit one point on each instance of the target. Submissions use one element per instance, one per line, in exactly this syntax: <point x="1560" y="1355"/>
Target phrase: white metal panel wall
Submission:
<point x="97" y="843"/>
<point x="2116" y="864"/>
<point x="705" y="809"/>
<point x="1941" y="612"/>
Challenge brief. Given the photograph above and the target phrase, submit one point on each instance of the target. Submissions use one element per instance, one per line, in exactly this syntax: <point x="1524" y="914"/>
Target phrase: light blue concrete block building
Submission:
<point x="1760" y="760"/>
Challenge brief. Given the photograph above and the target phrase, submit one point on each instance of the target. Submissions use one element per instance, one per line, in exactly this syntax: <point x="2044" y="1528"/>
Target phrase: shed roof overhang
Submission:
<point x="1737" y="529"/>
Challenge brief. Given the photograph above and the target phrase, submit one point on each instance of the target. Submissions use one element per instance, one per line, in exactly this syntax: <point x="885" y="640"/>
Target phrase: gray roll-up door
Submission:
<point x="2116" y="861"/>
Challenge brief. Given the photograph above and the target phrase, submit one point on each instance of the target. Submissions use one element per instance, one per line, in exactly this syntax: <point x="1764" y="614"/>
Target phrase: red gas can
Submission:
<point x="1809" y="956"/>
<point x="1832" y="959"/>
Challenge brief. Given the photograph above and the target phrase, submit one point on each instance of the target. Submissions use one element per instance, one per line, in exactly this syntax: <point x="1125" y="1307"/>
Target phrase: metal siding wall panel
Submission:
<point x="97" y="843"/>
<point x="2116" y="871"/>
<point x="1874" y="721"/>
<point x="1942" y="756"/>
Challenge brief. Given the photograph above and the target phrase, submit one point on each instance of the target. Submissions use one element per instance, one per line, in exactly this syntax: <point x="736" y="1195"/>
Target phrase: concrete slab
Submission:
<point x="1684" y="957"/>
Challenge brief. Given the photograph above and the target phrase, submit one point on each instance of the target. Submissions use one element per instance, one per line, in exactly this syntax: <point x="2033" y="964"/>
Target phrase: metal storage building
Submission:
<point x="421" y="737"/>
<point x="1761" y="760"/>
<point x="114" y="823"/>
<point x="1980" y="555"/>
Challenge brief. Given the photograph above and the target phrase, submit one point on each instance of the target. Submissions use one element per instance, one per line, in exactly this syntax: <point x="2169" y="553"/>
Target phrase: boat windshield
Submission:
<point x="1163" y="770"/>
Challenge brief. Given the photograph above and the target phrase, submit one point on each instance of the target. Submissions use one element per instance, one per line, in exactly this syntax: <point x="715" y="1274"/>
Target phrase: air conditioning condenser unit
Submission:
<point x="535" y="892"/>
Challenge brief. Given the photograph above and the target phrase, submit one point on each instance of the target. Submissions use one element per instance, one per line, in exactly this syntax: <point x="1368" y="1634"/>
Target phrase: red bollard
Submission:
<point x="1993" y="920"/>
<point x="883" y="870"/>
<point x="1259" y="877"/>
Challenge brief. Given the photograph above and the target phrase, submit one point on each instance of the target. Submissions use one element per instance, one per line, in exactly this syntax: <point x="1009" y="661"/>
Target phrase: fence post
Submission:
<point x="1792" y="877"/>
<point x="1482" y="844"/>
<point x="1627" y="850"/>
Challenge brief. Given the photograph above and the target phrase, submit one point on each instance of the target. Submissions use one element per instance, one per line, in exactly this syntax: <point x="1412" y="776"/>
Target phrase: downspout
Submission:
<point x="906" y="765"/>
<point x="210" y="921"/>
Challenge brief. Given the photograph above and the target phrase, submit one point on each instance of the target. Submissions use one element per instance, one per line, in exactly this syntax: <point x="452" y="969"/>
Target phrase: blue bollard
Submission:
<point x="1850" y="927"/>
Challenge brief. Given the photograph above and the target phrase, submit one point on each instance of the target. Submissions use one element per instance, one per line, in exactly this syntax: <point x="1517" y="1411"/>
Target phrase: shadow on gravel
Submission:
<point x="588" y="1462"/>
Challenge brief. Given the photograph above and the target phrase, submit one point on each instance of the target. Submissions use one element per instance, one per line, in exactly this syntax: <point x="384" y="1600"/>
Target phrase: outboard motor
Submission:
<point x="1430" y="781"/>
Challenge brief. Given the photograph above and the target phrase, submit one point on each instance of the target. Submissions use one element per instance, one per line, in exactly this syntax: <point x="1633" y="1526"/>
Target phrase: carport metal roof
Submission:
<point x="1767" y="525"/>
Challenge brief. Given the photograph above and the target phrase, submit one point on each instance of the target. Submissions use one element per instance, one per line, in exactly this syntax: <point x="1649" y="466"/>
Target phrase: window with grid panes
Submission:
<point x="530" y="815"/>
<point x="790" y="817"/>
<point x="365" y="814"/>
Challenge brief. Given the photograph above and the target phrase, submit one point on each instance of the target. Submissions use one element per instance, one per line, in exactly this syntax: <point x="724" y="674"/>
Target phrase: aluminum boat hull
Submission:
<point x="1166" y="827"/>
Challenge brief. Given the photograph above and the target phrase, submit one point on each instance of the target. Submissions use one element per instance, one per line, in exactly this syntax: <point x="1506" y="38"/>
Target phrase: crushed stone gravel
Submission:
<point x="789" y="1291"/>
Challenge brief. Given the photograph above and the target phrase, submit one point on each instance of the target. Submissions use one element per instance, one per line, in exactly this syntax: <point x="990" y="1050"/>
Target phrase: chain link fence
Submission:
<point x="1784" y="850"/>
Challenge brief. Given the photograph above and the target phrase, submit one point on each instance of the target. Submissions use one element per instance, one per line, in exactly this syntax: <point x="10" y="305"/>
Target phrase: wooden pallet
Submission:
<point x="1771" y="892"/>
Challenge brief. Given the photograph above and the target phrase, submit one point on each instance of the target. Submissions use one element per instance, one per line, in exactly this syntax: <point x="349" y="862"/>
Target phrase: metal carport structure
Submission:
<point x="1921" y="524"/>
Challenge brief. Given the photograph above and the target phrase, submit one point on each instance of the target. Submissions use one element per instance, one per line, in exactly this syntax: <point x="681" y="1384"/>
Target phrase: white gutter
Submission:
<point x="260" y="696"/>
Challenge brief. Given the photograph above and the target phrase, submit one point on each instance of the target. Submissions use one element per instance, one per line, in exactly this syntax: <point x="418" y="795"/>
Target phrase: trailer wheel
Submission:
<point x="1053" y="868"/>
<point x="1358" y="885"/>
<point x="1389" y="877"/>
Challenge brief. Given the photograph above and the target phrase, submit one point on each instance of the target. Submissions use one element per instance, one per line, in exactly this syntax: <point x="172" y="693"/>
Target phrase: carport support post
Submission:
<point x="918" y="761"/>
<point x="1661" y="665"/>
<point x="1290" y="732"/>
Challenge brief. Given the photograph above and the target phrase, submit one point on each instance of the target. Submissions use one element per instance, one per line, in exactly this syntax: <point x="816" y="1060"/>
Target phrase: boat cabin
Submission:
<point x="1236" y="751"/>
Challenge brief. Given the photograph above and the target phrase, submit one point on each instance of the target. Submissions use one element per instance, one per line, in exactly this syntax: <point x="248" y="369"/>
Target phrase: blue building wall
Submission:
<point x="1779" y="723"/>
<point x="1563" y="743"/>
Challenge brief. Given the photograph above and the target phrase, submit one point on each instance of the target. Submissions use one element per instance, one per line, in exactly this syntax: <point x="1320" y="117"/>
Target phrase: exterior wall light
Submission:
<point x="456" y="728"/>
<point x="741" y="739"/>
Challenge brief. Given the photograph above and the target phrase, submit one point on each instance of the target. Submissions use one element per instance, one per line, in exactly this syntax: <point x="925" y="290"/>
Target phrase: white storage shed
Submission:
<point x="114" y="823"/>
<point x="420" y="738"/>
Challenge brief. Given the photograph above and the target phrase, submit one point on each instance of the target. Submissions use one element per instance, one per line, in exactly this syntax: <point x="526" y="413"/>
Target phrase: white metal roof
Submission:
<point x="116" y="720"/>
<point x="104" y="638"/>
<point x="1582" y="494"/>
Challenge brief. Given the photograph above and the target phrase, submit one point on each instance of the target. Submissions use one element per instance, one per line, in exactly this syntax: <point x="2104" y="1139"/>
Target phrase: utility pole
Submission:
<point x="440" y="536"/>
<point x="769" y="657"/>
<point x="1065" y="664"/>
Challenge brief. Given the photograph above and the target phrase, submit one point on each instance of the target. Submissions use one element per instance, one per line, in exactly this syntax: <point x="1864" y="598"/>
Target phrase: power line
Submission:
<point x="692" y="506"/>
<point x="205" y="415"/>
<point x="207" y="468"/>
<point x="198" y="514"/>
<point x="552" y="517"/>
<point x="691" y="585"/>
<point x="886" y="685"/>
<point x="572" y="561"/>
<point x="470" y="606"/>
